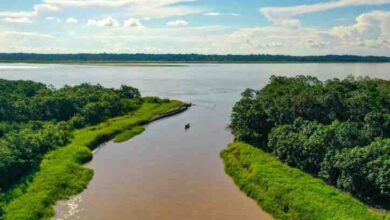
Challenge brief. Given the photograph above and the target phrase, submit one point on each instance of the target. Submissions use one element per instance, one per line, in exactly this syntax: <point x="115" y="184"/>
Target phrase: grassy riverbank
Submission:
<point x="62" y="174"/>
<point x="288" y="193"/>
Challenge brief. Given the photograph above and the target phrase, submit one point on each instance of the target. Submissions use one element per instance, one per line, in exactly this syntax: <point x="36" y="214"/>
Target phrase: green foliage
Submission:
<point x="337" y="130"/>
<point x="35" y="119"/>
<point x="363" y="171"/>
<point x="129" y="92"/>
<point x="288" y="193"/>
<point x="61" y="173"/>
<point x="21" y="151"/>
<point x="128" y="134"/>
<point x="23" y="101"/>
<point x="139" y="57"/>
<point x="38" y="164"/>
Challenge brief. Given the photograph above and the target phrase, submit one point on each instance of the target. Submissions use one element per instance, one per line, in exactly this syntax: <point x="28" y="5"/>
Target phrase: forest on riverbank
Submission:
<point x="46" y="134"/>
<point x="183" y="58"/>
<point x="337" y="130"/>
<point x="34" y="118"/>
<point x="289" y="193"/>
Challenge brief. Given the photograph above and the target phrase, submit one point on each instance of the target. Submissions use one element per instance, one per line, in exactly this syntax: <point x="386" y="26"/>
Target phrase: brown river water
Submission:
<point x="167" y="172"/>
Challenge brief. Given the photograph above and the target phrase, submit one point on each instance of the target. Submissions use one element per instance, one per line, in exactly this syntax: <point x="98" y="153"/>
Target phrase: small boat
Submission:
<point x="187" y="126"/>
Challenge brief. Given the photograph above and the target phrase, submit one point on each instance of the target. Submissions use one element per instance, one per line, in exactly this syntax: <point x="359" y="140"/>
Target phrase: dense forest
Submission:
<point x="105" y="57"/>
<point x="35" y="118"/>
<point x="338" y="130"/>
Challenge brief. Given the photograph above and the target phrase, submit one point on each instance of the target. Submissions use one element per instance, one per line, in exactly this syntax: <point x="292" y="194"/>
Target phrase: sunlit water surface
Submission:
<point x="167" y="172"/>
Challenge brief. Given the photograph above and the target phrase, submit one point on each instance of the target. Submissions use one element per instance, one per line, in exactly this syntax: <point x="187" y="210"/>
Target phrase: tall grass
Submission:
<point x="61" y="173"/>
<point x="288" y="193"/>
<point x="128" y="134"/>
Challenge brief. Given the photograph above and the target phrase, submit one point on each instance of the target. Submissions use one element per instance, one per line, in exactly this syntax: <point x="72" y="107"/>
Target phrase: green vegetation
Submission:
<point x="338" y="130"/>
<point x="288" y="193"/>
<point x="128" y="134"/>
<point x="61" y="173"/>
<point x="180" y="58"/>
<point x="34" y="119"/>
<point x="50" y="134"/>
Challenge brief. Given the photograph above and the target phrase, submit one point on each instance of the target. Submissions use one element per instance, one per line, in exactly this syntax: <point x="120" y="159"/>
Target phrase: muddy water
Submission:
<point x="167" y="172"/>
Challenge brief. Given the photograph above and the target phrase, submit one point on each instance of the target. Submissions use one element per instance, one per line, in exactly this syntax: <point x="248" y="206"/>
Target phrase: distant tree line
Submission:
<point x="338" y="130"/>
<point x="35" y="118"/>
<point x="106" y="57"/>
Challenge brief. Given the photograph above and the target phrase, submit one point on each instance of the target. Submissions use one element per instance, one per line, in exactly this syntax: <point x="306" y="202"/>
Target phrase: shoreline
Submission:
<point x="289" y="193"/>
<point x="170" y="113"/>
<point x="63" y="173"/>
<point x="182" y="63"/>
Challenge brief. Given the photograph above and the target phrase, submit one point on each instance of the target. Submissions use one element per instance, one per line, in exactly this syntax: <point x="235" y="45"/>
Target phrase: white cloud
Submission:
<point x="71" y="20"/>
<point x="105" y="22"/>
<point x="37" y="9"/>
<point x="277" y="14"/>
<point x="292" y="23"/>
<point x="58" y="20"/>
<point x="277" y="40"/>
<point x="18" y="20"/>
<point x="215" y="14"/>
<point x="23" y="41"/>
<point x="161" y="11"/>
<point x="88" y="3"/>
<point x="212" y="14"/>
<point x="133" y="8"/>
<point x="132" y="23"/>
<point x="177" y="23"/>
<point x="371" y="29"/>
<point x="162" y="40"/>
<point x="16" y="14"/>
<point x="111" y="3"/>
<point x="25" y="34"/>
<point x="44" y="7"/>
<point x="370" y="35"/>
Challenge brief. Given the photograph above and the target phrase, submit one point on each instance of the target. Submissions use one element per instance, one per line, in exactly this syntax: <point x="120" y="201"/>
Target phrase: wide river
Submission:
<point x="166" y="172"/>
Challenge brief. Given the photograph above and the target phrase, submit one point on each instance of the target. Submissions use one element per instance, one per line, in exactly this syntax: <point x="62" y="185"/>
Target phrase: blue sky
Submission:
<point x="295" y="27"/>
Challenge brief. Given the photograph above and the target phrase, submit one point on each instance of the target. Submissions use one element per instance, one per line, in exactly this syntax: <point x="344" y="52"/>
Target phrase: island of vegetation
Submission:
<point x="307" y="149"/>
<point x="144" y="59"/>
<point x="47" y="134"/>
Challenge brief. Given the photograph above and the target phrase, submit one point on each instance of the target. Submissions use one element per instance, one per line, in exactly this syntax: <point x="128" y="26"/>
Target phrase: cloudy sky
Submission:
<point x="296" y="27"/>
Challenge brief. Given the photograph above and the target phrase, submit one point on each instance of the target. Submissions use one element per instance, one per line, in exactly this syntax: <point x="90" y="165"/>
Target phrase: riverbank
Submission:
<point x="289" y="193"/>
<point x="200" y="58"/>
<point x="62" y="174"/>
<point x="178" y="63"/>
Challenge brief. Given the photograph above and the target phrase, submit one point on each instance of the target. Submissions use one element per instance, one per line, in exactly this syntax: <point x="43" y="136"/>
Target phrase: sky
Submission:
<point x="292" y="27"/>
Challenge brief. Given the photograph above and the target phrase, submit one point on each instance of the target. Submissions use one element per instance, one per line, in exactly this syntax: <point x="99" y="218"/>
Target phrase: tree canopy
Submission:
<point x="338" y="130"/>
<point x="139" y="57"/>
<point x="35" y="118"/>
